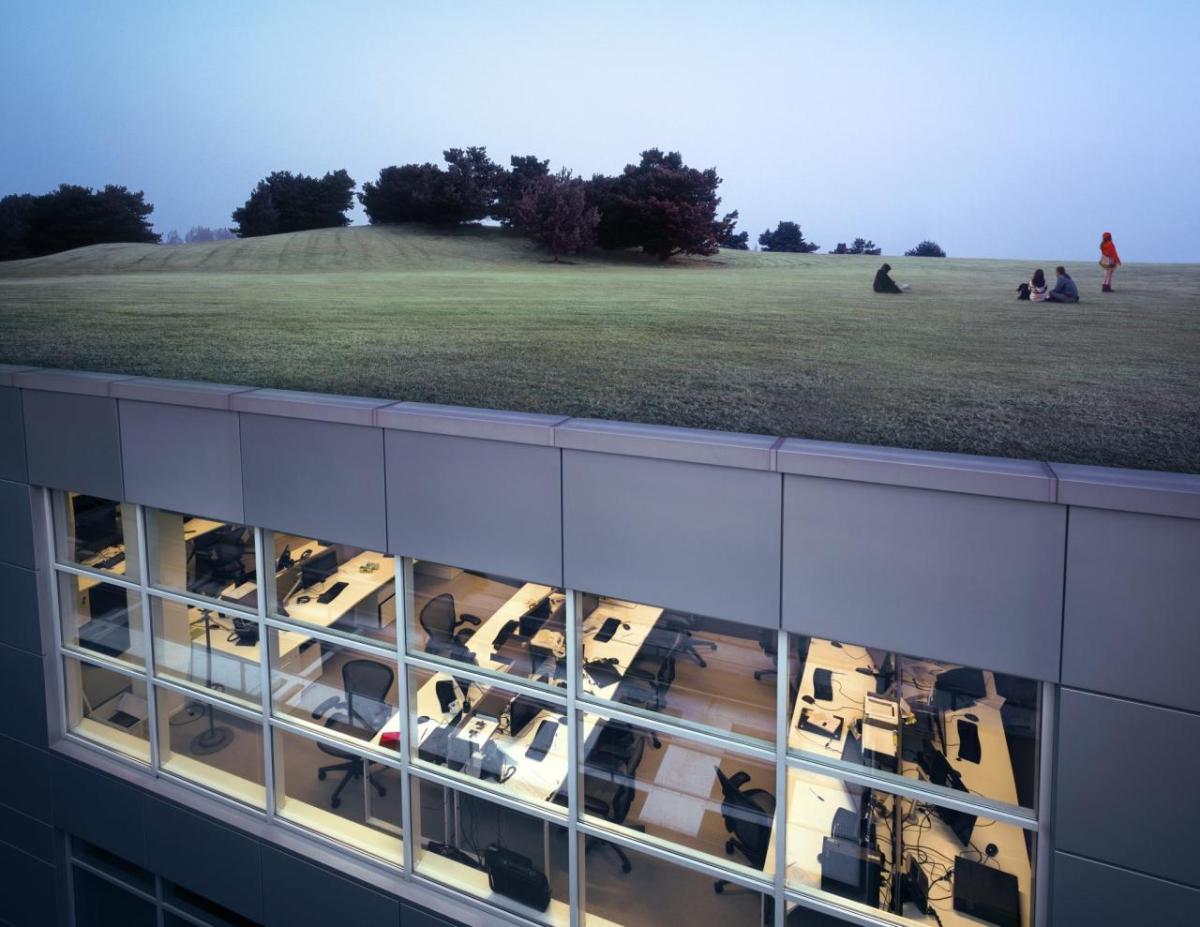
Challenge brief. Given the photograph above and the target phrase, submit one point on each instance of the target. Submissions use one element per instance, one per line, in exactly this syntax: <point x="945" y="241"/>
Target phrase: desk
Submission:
<point x="850" y="687"/>
<point x="360" y="586"/>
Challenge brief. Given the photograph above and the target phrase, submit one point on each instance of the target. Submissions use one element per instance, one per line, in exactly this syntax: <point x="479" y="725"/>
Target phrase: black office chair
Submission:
<point x="646" y="683"/>
<point x="677" y="623"/>
<point x="360" y="714"/>
<point x="749" y="817"/>
<point x="768" y="640"/>
<point x="610" y="782"/>
<point x="223" y="557"/>
<point x="444" y="626"/>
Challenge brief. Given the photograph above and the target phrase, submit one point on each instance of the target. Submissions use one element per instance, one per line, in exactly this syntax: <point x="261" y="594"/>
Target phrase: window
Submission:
<point x="96" y="533"/>
<point x="101" y="618"/>
<point x="108" y="707"/>
<point x="500" y="625"/>
<point x="963" y="729"/>
<point x="202" y="556"/>
<point x="198" y="645"/>
<point x="706" y="672"/>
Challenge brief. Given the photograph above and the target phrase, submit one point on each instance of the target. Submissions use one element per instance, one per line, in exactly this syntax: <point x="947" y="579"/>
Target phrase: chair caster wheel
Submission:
<point x="321" y="775"/>
<point x="382" y="792"/>
<point x="718" y="887"/>
<point x="336" y="803"/>
<point x="625" y="868"/>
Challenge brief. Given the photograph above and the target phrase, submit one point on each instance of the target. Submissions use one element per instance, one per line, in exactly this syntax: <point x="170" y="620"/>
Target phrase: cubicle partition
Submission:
<point x="270" y="657"/>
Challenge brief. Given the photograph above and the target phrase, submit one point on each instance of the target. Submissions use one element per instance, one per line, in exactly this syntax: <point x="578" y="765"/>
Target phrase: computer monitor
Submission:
<point x="588" y="605"/>
<point x="97" y="525"/>
<point x="984" y="892"/>
<point x="958" y="688"/>
<point x="319" y="567"/>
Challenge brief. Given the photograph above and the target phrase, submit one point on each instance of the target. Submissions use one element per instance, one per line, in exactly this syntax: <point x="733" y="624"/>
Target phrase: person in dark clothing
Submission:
<point x="1065" y="290"/>
<point x="884" y="283"/>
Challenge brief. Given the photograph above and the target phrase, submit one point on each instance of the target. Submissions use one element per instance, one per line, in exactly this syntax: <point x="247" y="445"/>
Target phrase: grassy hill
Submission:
<point x="781" y="344"/>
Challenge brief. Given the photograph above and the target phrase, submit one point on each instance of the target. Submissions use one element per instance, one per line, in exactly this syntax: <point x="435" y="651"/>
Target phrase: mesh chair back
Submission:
<point x="367" y="685"/>
<point x="439" y="617"/>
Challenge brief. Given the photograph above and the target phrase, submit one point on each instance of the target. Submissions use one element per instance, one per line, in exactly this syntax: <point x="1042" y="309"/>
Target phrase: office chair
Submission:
<point x="360" y="714"/>
<point x="685" y="645"/>
<point x="222" y="558"/>
<point x="444" y="626"/>
<point x="646" y="683"/>
<point x="768" y="640"/>
<point x="610" y="782"/>
<point x="749" y="816"/>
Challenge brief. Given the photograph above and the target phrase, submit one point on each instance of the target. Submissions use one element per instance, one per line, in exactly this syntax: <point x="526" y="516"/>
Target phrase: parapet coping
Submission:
<point x="1139" y="491"/>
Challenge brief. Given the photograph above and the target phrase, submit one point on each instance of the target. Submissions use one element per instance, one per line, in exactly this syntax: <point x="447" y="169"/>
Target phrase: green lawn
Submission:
<point x="779" y="344"/>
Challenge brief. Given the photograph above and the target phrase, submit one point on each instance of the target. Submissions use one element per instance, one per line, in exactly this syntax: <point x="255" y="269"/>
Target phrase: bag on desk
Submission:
<point x="513" y="876"/>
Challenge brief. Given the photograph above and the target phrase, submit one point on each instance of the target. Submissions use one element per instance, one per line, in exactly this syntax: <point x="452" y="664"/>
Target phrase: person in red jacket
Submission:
<point x="1109" y="260"/>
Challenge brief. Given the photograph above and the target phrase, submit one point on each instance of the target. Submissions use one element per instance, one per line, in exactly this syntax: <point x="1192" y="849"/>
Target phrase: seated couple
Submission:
<point x="1065" y="290"/>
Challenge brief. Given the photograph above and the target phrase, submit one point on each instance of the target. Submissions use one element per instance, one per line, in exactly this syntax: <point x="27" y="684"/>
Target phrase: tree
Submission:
<point x="659" y="205"/>
<point x="287" y="202"/>
<point x="469" y="191"/>
<point x="202" y="233"/>
<point x="554" y="212"/>
<point x="863" y="246"/>
<point x="173" y="238"/>
<point x="404" y="193"/>
<point x="511" y="185"/>
<point x="465" y="192"/>
<point x="786" y="237"/>
<point x="739" y="241"/>
<point x="72" y="217"/>
<point x="926" y="249"/>
<point x="14" y="226"/>
<point x="841" y="249"/>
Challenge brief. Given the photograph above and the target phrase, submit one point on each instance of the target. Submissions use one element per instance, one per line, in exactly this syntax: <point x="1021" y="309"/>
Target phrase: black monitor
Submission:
<point x="958" y="688"/>
<point x="851" y="871"/>
<point x="319" y="567"/>
<point x="97" y="525"/>
<point x="989" y="894"/>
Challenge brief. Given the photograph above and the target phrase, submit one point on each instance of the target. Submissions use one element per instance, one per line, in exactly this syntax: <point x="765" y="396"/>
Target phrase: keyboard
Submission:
<point x="331" y="593"/>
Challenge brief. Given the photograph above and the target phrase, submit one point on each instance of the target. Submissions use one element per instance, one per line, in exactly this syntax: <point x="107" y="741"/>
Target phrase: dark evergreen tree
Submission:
<point x="72" y="217"/>
<point x="14" y="226"/>
<point x="554" y="212"/>
<point x="841" y="249"/>
<point x="735" y="241"/>
<point x="863" y="246"/>
<point x="258" y="216"/>
<point x="786" y="237"/>
<point x="466" y="191"/>
<point x="926" y="249"/>
<point x="404" y="193"/>
<point x="511" y="185"/>
<point x="469" y="191"/>
<point x="287" y="202"/>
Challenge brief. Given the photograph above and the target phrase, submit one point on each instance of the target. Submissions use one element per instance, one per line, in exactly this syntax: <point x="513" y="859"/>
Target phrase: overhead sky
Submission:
<point x="1015" y="129"/>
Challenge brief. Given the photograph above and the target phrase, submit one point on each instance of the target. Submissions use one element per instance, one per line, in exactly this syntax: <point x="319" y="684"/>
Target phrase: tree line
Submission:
<point x="659" y="205"/>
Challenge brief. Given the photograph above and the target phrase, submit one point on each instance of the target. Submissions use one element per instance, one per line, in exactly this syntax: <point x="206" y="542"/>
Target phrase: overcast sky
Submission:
<point x="1000" y="130"/>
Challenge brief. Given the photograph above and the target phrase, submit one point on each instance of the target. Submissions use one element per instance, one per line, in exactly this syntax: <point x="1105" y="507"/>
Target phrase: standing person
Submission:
<point x="1109" y="260"/>
<point x="883" y="282"/>
<point x="1038" y="291"/>
<point x="1065" y="290"/>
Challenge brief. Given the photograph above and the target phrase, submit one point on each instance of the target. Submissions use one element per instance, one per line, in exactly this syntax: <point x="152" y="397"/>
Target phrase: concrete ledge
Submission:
<point x="314" y="407"/>
<point x="1001" y="477"/>
<point x="7" y="371"/>
<point x="664" y="442"/>
<point x="1146" y="491"/>
<point x="80" y="382"/>
<point x="466" y="422"/>
<point x="192" y="393"/>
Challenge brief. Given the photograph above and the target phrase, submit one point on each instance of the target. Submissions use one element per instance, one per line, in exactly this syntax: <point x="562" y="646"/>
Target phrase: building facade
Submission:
<point x="286" y="659"/>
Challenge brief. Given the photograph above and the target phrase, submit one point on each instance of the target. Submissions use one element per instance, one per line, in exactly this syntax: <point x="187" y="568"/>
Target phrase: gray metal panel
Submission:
<point x="27" y="890"/>
<point x="204" y="857"/>
<point x="27" y="834"/>
<point x="12" y="436"/>
<point x="419" y="917"/>
<point x="194" y="393"/>
<point x="316" y="407"/>
<point x="25" y="779"/>
<point x="79" y="382"/>
<point x="1125" y="790"/>
<point x="24" y="696"/>
<point x="8" y="371"/>
<point x="664" y="442"/>
<point x="968" y="473"/>
<point x="19" y="625"/>
<point x="323" y="479"/>
<point x="1132" y="624"/>
<point x="73" y="442"/>
<point x="683" y="535"/>
<point x="1090" y="894"/>
<point x="465" y="422"/>
<point x="956" y="577"/>
<point x="100" y="809"/>
<point x="182" y="459"/>
<point x="1176" y="495"/>
<point x="484" y="505"/>
<point x="299" y="894"/>
<point x="16" y="524"/>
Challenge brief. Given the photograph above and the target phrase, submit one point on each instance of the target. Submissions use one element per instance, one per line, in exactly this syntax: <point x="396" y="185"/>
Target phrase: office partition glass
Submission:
<point x="510" y="859"/>
<point x="627" y="888"/>
<point x="200" y="646"/>
<point x="203" y="557"/>
<point x="96" y="533"/>
<point x="673" y="789"/>
<point x="500" y="739"/>
<point x="342" y="692"/>
<point x="339" y="793"/>
<point x="498" y="624"/>
<point x="879" y="851"/>
<point x="101" y="617"/>
<point x="334" y="587"/>
<point x="706" y="672"/>
<point x="108" y="707"/>
<point x="963" y="729"/>
<point x="212" y="746"/>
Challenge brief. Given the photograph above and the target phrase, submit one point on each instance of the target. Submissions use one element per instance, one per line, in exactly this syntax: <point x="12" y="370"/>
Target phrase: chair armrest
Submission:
<point x="334" y="701"/>
<point x="469" y="619"/>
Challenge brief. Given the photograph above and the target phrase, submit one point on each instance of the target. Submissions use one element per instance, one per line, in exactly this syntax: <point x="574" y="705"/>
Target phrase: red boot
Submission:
<point x="1105" y="288"/>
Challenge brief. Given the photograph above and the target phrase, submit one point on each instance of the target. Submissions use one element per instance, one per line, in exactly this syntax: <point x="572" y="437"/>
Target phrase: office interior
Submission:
<point x="677" y="718"/>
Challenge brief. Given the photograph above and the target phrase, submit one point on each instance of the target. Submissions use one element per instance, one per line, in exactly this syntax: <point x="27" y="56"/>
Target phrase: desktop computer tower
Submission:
<point x="851" y="871"/>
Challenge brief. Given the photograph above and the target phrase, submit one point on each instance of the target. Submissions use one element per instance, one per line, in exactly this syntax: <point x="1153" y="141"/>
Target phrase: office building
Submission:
<point x="289" y="659"/>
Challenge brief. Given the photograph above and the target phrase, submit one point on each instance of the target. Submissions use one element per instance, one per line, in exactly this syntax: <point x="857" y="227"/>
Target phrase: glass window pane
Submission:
<point x="672" y="789"/>
<point x="961" y="728"/>
<point x="202" y="556"/>
<point x="511" y="860"/>
<point x="631" y="889"/>
<point x="96" y="533"/>
<point x="339" y="794"/>
<point x="499" y="624"/>
<point x="513" y="743"/>
<point x="349" y="694"/>
<point x="204" y="647"/>
<point x="711" y="673"/>
<point x="210" y="746"/>
<point x="337" y="587"/>
<point x="101" y="617"/>
<point x="108" y="707"/>
<point x="99" y="903"/>
<point x="880" y="851"/>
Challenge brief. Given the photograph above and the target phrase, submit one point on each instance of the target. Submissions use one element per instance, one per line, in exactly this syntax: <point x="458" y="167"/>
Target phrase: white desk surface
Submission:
<point x="359" y="587"/>
<point x="850" y="687"/>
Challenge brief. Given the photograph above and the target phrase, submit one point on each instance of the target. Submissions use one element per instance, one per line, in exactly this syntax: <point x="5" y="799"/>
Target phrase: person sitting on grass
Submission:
<point x="883" y="282"/>
<point x="1065" y="290"/>
<point x="1038" y="291"/>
